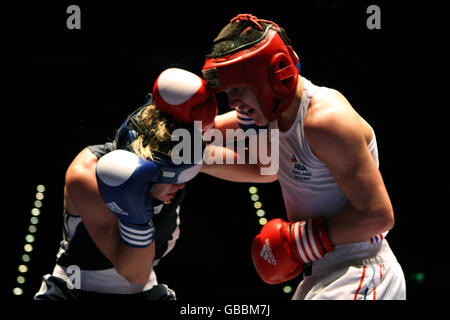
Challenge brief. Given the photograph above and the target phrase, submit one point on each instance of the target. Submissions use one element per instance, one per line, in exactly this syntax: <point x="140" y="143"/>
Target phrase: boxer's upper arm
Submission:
<point x="336" y="138"/>
<point x="84" y="197"/>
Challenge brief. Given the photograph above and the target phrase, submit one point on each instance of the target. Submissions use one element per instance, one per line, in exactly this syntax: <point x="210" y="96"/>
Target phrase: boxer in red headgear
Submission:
<point x="267" y="65"/>
<point x="337" y="207"/>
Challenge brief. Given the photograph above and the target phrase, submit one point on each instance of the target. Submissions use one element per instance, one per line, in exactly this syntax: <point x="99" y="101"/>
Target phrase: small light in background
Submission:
<point x="253" y="190"/>
<point x="418" y="277"/>
<point x="23" y="268"/>
<point x="29" y="238"/>
<point x="287" y="289"/>
<point x="18" y="291"/>
<point x="262" y="221"/>
<point x="20" y="279"/>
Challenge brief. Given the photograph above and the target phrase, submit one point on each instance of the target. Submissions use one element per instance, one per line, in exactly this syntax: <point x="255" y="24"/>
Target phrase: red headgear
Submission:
<point x="267" y="66"/>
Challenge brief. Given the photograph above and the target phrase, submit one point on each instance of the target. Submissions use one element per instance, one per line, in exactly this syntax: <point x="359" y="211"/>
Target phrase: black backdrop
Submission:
<point x="65" y="89"/>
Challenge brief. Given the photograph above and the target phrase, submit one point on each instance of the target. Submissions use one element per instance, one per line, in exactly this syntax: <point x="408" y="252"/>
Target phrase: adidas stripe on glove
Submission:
<point x="282" y="248"/>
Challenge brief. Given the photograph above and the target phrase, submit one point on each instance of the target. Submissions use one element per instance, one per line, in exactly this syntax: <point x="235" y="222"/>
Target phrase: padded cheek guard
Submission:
<point x="268" y="66"/>
<point x="172" y="173"/>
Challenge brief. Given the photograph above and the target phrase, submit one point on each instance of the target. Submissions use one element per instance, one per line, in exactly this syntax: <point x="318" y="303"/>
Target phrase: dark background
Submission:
<point x="66" y="89"/>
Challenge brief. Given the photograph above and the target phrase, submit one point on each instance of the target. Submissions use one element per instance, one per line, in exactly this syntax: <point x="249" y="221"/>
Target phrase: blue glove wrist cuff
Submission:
<point x="137" y="236"/>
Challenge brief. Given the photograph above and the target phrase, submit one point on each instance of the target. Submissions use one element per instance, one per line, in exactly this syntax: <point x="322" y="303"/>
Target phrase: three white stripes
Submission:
<point x="139" y="238"/>
<point x="307" y="239"/>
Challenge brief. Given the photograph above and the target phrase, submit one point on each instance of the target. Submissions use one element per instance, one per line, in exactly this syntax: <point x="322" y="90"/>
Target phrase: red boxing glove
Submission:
<point x="185" y="96"/>
<point x="282" y="248"/>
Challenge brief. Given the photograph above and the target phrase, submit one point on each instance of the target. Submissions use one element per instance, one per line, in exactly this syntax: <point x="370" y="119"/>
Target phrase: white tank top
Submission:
<point x="309" y="189"/>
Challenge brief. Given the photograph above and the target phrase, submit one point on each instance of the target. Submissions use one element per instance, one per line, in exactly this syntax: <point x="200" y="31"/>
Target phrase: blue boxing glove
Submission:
<point x="245" y="122"/>
<point x="125" y="181"/>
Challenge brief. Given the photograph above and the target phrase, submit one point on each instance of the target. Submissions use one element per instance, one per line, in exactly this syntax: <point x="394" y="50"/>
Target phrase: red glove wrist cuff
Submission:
<point x="309" y="240"/>
<point x="323" y="234"/>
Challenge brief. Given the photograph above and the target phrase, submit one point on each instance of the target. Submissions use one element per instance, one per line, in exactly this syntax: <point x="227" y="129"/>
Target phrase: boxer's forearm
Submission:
<point x="351" y="225"/>
<point x="226" y="164"/>
<point x="134" y="264"/>
<point x="238" y="173"/>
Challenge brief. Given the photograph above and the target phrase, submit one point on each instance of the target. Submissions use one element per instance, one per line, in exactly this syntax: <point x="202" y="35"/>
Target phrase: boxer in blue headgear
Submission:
<point x="121" y="206"/>
<point x="142" y="160"/>
<point x="170" y="172"/>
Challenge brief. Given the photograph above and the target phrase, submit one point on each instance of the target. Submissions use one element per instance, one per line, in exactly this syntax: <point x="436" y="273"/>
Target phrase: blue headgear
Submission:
<point x="171" y="172"/>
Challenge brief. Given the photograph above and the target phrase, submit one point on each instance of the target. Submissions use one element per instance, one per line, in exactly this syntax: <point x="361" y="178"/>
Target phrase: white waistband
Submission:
<point x="352" y="254"/>
<point x="104" y="281"/>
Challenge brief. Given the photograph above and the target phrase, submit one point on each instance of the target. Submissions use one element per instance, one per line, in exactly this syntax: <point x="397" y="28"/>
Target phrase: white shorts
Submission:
<point x="360" y="271"/>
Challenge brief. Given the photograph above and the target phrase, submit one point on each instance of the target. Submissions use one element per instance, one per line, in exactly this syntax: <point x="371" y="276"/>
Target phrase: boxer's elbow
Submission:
<point x="141" y="278"/>
<point x="132" y="275"/>
<point x="135" y="269"/>
<point x="382" y="219"/>
<point x="388" y="218"/>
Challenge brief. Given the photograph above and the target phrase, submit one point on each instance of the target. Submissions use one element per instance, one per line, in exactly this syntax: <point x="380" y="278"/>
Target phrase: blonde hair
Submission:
<point x="159" y="128"/>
